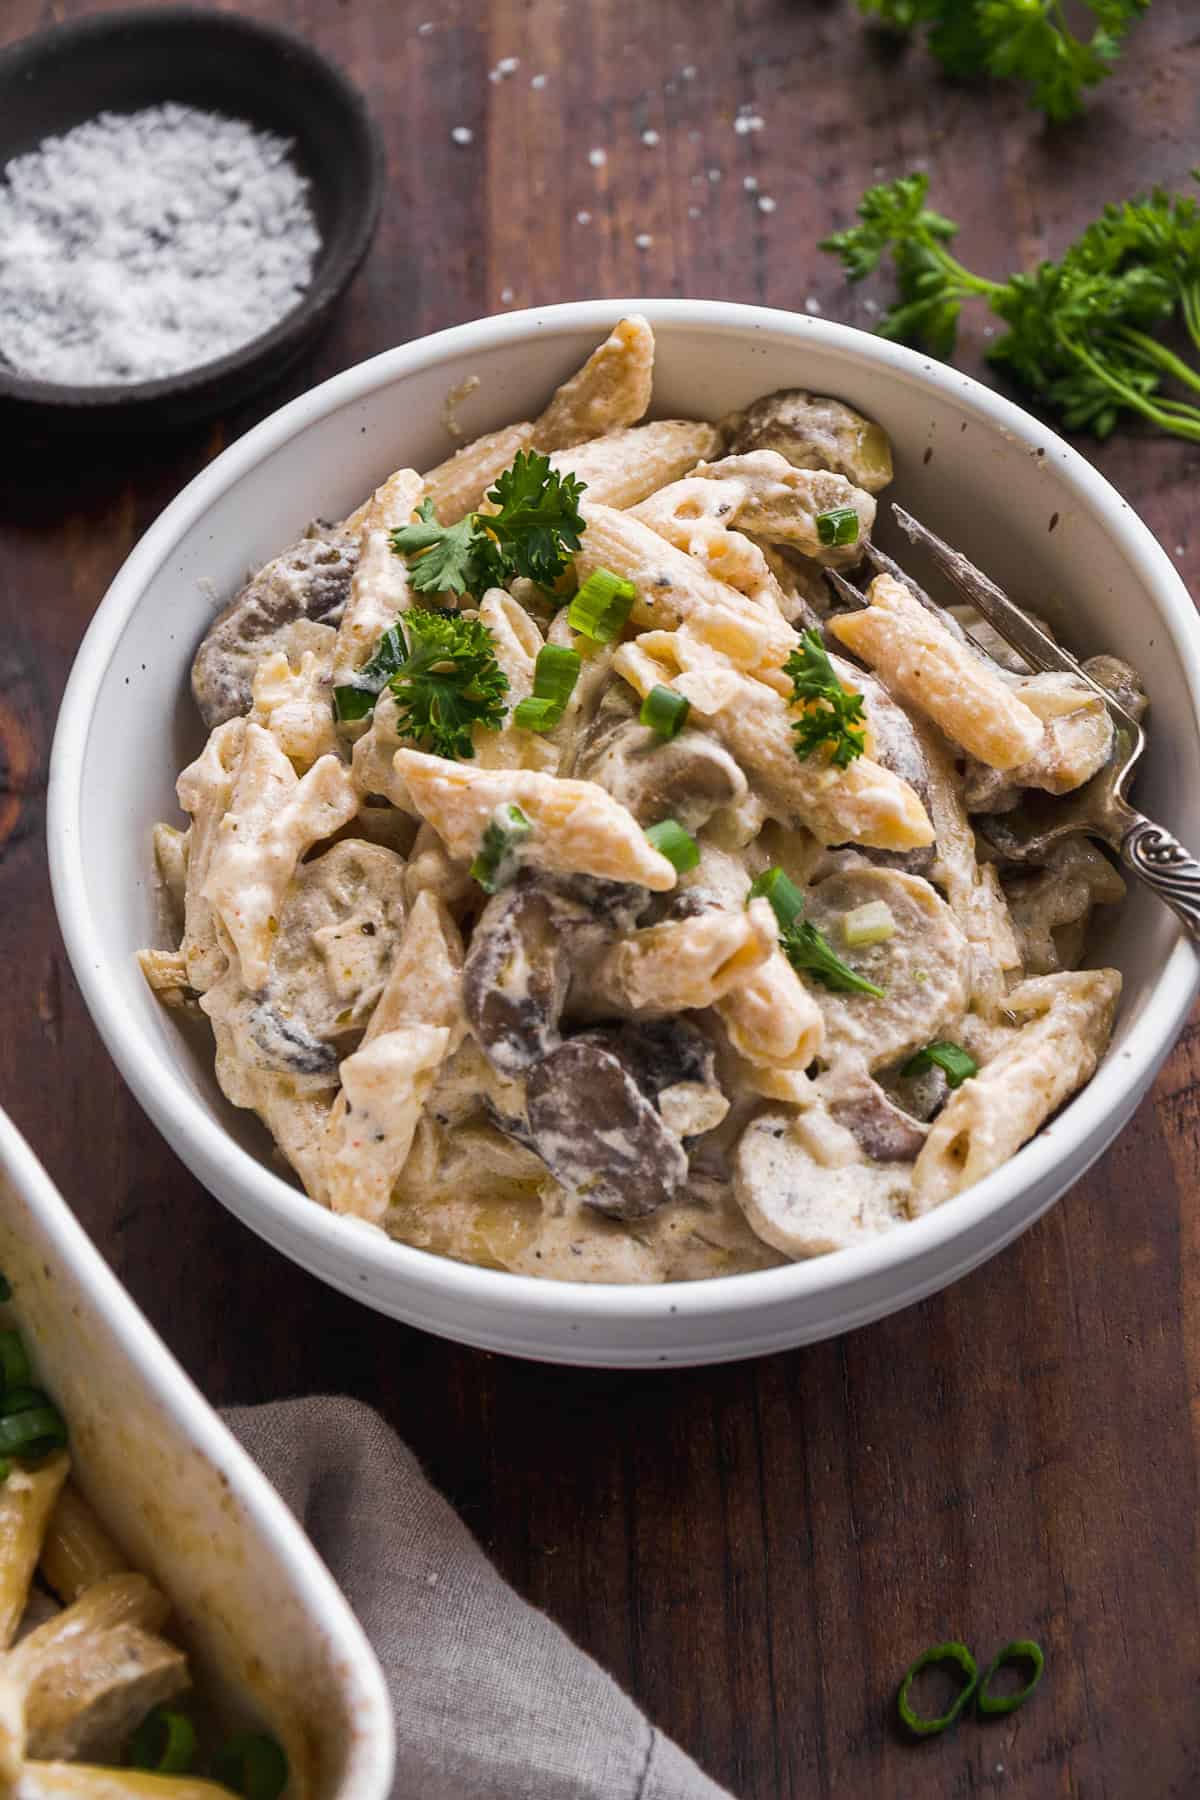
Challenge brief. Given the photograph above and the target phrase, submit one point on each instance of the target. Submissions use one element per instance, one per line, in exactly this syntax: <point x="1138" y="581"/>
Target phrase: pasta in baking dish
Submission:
<point x="90" y="1677"/>
<point x="572" y="888"/>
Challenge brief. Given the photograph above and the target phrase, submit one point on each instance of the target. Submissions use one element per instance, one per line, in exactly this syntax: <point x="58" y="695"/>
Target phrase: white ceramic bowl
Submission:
<point x="986" y="474"/>
<point x="259" y="1614"/>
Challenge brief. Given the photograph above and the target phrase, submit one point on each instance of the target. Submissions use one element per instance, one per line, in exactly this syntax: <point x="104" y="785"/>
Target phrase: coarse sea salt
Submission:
<point x="141" y="244"/>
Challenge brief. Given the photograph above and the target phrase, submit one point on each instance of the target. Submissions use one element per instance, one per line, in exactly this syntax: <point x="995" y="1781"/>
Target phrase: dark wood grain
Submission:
<point x="755" y="1551"/>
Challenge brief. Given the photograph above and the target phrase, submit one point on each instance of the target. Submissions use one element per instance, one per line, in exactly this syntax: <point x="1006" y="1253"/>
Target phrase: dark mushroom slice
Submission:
<point x="814" y="431"/>
<point x="688" y="778"/>
<point x="660" y="1054"/>
<point x="882" y="1131"/>
<point x="599" y="1134"/>
<point x="287" y="1045"/>
<point x="517" y="972"/>
<point x="309" y="581"/>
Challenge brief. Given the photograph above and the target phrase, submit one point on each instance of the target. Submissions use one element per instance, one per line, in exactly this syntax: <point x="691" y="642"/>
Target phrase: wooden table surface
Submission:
<point x="754" y="1551"/>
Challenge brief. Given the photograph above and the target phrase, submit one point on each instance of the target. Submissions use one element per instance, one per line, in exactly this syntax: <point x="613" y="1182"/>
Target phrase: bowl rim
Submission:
<point x="281" y="1212"/>
<point x="371" y="1758"/>
<point x="287" y="336"/>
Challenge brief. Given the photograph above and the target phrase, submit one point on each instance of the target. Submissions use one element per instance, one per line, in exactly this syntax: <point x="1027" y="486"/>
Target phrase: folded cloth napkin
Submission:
<point x="492" y="1700"/>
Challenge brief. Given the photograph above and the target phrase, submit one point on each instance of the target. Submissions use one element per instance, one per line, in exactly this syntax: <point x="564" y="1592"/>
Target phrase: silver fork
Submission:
<point x="1099" y="808"/>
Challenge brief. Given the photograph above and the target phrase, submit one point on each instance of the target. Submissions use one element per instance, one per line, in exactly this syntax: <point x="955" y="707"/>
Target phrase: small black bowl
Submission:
<point x="218" y="62"/>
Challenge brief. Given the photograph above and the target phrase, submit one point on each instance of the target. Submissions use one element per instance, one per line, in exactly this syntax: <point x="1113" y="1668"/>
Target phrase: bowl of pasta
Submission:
<point x="524" y="890"/>
<point x="165" y="1622"/>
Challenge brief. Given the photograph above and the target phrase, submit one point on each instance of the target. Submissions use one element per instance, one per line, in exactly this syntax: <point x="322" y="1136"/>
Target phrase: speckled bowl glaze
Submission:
<point x="218" y="62"/>
<point x="258" y="1612"/>
<point x="975" y="467"/>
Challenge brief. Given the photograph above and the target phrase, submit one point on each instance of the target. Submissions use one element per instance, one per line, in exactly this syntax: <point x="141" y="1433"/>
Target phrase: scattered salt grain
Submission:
<point x="643" y="240"/>
<point x="508" y="65"/>
<point x="583" y="218"/>
<point x="597" y="158"/>
<point x="750" y="183"/>
<point x="538" y="81"/>
<point x="765" y="203"/>
<point x="462" y="134"/>
<point x="1179" y="550"/>
<point x="688" y="72"/>
<point x="506" y="296"/>
<point x="714" y="174"/>
<point x="424" y="29"/>
<point x="812" y="304"/>
<point x="650" y="138"/>
<point x="141" y="244"/>
<point x="871" y="306"/>
<point x="746" y="122"/>
<point x="693" y="212"/>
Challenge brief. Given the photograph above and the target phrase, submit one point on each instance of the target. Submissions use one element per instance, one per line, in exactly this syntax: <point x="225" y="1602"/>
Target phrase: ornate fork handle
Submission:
<point x="1161" y="861"/>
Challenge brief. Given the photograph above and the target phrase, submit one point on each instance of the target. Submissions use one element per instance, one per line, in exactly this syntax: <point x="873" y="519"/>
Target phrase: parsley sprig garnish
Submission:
<point x="832" y="716"/>
<point x="1019" y="40"/>
<point x="805" y="947"/>
<point x="443" y="671"/>
<point x="535" y="530"/>
<point x="1081" y="331"/>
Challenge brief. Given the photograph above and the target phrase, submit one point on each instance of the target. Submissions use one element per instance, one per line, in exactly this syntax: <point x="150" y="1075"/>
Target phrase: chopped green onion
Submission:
<point x="677" y="845"/>
<point x="787" y="902"/>
<point x="873" y="923"/>
<point x="164" y="1743"/>
<point x="664" y="711"/>
<point x="602" y="605"/>
<point x="1023" y="1650"/>
<point x="805" y="947"/>
<point x="838" y="526"/>
<point x="252" y="1765"/>
<point x="554" y="676"/>
<point x="957" y="1064"/>
<point x="960" y="1657"/>
<point x="495" y="865"/>
<point x="14" y="1363"/>
<point x="34" y="1432"/>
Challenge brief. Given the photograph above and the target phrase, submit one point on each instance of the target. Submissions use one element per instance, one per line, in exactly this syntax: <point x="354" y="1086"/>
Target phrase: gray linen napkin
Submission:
<point x="493" y="1701"/>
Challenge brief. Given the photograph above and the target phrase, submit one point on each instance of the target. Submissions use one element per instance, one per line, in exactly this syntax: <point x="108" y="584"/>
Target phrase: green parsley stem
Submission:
<point x="1153" y="351"/>
<point x="1183" y="426"/>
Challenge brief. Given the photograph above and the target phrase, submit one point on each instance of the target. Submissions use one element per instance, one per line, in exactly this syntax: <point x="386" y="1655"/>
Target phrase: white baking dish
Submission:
<point x="271" y="1640"/>
<point x="988" y="476"/>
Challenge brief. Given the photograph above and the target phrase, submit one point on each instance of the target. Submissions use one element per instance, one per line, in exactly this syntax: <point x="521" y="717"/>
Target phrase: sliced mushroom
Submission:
<point x="883" y="1132"/>
<point x="922" y="968"/>
<point x="896" y="747"/>
<point x="516" y="975"/>
<point x="806" y="1187"/>
<point x="815" y="432"/>
<point x="1051" y="907"/>
<point x="307" y="585"/>
<point x="599" y="1134"/>
<point x="689" y="777"/>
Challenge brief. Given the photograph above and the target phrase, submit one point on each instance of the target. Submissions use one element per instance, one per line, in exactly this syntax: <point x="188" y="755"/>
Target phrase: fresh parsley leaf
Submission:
<point x="538" y="525"/>
<point x="957" y="1064"/>
<point x="449" y="682"/>
<point x="833" y="716"/>
<point x="803" y="945"/>
<point x="357" y="700"/>
<point x="1084" y="333"/>
<point x="536" y="528"/>
<point x="1019" y="40"/>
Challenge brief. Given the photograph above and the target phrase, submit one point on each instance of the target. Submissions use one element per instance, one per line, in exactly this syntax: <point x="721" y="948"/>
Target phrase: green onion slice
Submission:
<point x="838" y="526"/>
<point x="496" y="863"/>
<point x="677" y="845"/>
<point x="34" y="1432"/>
<point x="164" y="1743"/>
<point x="22" y="1399"/>
<point x="14" y="1362"/>
<point x="787" y="902"/>
<point x="554" y="676"/>
<point x="253" y="1765"/>
<point x="957" y="1064"/>
<point x="664" y="711"/>
<point x="1023" y="1650"/>
<point x="601" y="607"/>
<point x="960" y="1657"/>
